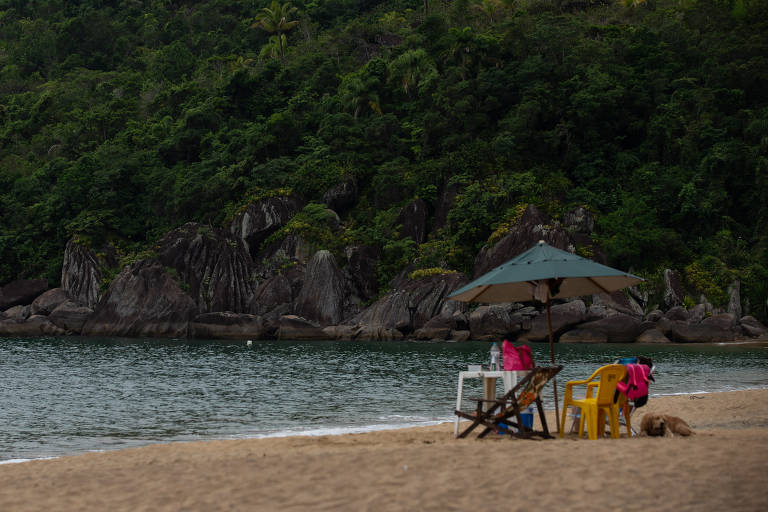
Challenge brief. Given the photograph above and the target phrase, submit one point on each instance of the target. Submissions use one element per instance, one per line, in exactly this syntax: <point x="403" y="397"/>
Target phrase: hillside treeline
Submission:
<point x="124" y="119"/>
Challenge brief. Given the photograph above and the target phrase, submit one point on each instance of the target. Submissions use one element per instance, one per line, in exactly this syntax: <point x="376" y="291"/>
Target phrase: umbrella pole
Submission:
<point x="552" y="357"/>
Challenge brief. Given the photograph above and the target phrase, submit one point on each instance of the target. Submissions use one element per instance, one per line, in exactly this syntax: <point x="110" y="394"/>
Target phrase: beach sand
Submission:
<point x="723" y="467"/>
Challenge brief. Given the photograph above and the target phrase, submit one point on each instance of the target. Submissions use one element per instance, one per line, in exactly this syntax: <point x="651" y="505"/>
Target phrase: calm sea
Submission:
<point x="61" y="396"/>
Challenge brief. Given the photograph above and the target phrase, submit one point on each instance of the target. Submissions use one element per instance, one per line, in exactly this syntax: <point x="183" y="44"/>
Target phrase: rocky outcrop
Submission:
<point x="673" y="289"/>
<point x="677" y="314"/>
<point x="361" y="271"/>
<point x="321" y="299"/>
<point x="734" y="299"/>
<point x="682" y="332"/>
<point x="70" y="316"/>
<point x="620" y="302"/>
<point x="227" y="325"/>
<point x="143" y="300"/>
<point x="261" y="219"/>
<point x="341" y="197"/>
<point x="616" y="329"/>
<point x="35" y="325"/>
<point x="215" y="267"/>
<point x="81" y="274"/>
<point x="532" y="227"/>
<point x="563" y="317"/>
<point x="21" y="292"/>
<point x="411" y="306"/>
<point x="48" y="301"/>
<point x="413" y="219"/>
<point x="272" y="293"/>
<point x="18" y="313"/>
<point x="752" y="327"/>
<point x="495" y="321"/>
<point x="292" y="327"/>
<point x="652" y="336"/>
<point x="584" y="336"/>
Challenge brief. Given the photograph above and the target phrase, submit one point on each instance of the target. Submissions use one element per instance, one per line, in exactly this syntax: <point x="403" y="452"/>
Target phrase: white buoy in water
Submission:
<point x="249" y="342"/>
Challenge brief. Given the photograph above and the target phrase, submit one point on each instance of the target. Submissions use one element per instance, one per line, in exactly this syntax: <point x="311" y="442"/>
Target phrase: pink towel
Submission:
<point x="637" y="381"/>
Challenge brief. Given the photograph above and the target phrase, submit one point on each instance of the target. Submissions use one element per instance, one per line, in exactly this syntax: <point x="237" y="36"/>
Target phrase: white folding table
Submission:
<point x="489" y="386"/>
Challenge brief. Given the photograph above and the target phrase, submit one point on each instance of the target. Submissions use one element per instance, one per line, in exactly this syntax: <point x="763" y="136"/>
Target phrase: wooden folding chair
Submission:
<point x="503" y="415"/>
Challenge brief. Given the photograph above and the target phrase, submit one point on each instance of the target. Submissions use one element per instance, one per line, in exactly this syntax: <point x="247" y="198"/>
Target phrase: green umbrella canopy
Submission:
<point x="517" y="279"/>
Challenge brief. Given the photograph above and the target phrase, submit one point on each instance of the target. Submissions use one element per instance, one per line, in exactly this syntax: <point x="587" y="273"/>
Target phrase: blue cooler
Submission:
<point x="527" y="418"/>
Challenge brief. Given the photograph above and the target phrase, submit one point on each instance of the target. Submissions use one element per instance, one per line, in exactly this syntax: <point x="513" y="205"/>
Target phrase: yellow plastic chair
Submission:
<point x="595" y="408"/>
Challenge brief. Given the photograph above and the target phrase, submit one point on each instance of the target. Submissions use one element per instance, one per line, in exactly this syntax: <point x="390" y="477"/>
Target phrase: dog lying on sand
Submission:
<point x="664" y="425"/>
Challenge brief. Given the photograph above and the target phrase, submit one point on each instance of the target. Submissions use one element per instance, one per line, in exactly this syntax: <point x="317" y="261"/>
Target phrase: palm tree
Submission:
<point x="413" y="69"/>
<point x="358" y="92"/>
<point x="272" y="49"/>
<point x="274" y="19"/>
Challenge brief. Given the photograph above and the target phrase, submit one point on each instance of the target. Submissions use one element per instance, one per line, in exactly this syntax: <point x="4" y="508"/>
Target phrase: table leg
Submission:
<point x="458" y="405"/>
<point x="489" y="390"/>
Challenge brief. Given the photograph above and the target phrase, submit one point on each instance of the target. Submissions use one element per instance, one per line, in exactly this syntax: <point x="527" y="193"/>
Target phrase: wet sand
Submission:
<point x="723" y="467"/>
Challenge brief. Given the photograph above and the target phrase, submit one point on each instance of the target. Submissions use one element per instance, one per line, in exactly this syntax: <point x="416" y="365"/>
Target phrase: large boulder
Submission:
<point x="532" y="227"/>
<point x="35" y="325"/>
<point x="143" y="300"/>
<point x="262" y="218"/>
<point x="617" y="328"/>
<point x="586" y="335"/>
<point x="70" y="316"/>
<point x="673" y="289"/>
<point x="273" y="292"/>
<point x="652" y="336"/>
<point x="215" y="267"/>
<point x="81" y="274"/>
<point x="619" y="301"/>
<point x="682" y="332"/>
<point x="751" y="326"/>
<point x="361" y="271"/>
<point x="18" y="313"/>
<point x="734" y="299"/>
<point x="321" y="299"/>
<point x="293" y="327"/>
<point x="48" y="301"/>
<point x="412" y="304"/>
<point x="722" y="321"/>
<point x="21" y="292"/>
<point x="494" y="322"/>
<point x="413" y="219"/>
<point x="227" y="325"/>
<point x="378" y="333"/>
<point x="290" y="251"/>
<point x="342" y="196"/>
<point x="677" y="314"/>
<point x="563" y="317"/>
<point x="438" y="328"/>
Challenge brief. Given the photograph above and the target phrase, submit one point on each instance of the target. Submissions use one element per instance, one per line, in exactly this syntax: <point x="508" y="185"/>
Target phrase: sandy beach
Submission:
<point x="723" y="467"/>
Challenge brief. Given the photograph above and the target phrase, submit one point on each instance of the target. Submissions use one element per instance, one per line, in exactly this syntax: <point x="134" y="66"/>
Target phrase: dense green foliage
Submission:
<point x="122" y="119"/>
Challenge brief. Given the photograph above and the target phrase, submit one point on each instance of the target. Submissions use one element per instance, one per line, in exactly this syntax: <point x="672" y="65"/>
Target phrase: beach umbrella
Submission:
<point x="543" y="273"/>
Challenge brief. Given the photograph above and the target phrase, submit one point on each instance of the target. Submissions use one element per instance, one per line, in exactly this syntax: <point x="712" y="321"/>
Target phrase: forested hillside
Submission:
<point x="124" y="119"/>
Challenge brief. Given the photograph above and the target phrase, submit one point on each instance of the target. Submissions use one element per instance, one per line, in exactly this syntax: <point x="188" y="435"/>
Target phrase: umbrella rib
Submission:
<point x="591" y="280"/>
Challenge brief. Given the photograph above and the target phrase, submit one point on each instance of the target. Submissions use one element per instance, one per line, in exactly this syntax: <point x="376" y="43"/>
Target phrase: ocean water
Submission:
<point x="69" y="395"/>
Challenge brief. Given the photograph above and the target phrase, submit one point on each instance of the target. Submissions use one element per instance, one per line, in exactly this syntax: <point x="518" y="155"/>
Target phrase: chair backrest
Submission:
<point x="536" y="380"/>
<point x="610" y="375"/>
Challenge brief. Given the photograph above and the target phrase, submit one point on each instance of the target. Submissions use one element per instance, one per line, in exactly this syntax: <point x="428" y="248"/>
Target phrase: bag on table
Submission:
<point x="516" y="358"/>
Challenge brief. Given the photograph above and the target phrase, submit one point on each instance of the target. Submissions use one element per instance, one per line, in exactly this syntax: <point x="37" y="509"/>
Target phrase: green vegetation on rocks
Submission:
<point x="123" y="119"/>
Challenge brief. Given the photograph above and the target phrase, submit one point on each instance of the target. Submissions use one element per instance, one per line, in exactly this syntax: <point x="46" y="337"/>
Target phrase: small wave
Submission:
<point x="18" y="461"/>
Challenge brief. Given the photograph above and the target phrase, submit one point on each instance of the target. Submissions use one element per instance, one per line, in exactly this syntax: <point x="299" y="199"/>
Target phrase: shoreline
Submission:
<point x="342" y="431"/>
<point x="724" y="465"/>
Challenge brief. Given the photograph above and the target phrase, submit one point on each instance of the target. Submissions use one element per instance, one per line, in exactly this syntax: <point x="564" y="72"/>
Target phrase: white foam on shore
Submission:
<point x="18" y="461"/>
<point x="337" y="431"/>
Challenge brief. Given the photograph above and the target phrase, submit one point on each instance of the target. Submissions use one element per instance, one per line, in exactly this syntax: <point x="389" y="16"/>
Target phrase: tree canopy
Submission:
<point x="122" y="119"/>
